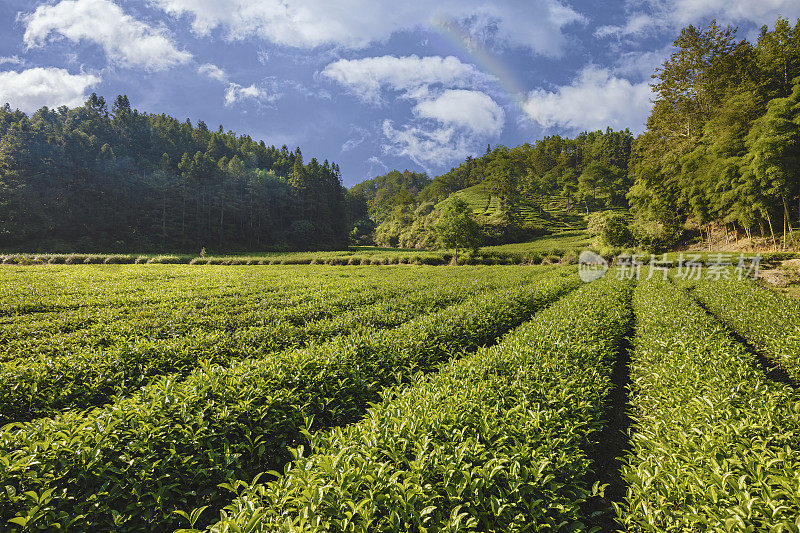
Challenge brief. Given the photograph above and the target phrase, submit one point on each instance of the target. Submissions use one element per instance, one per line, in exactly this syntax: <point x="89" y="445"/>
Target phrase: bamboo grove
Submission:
<point x="722" y="144"/>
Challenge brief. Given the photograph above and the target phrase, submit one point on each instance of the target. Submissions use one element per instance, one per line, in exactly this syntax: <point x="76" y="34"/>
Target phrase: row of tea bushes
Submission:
<point x="91" y="375"/>
<point x="43" y="299"/>
<point x="715" y="445"/>
<point x="768" y="321"/>
<point x="89" y="259"/>
<point x="494" y="442"/>
<point x="127" y="466"/>
<point x="314" y="258"/>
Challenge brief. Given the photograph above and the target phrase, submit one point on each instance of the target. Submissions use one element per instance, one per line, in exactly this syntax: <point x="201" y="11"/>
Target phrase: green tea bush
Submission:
<point x="81" y="377"/>
<point x="569" y="258"/>
<point x="164" y="259"/>
<point x="74" y="259"/>
<point x="118" y="259"/>
<point x="493" y="442"/>
<point x="714" y="444"/>
<point x="776" y="257"/>
<point x="768" y="321"/>
<point x="128" y="465"/>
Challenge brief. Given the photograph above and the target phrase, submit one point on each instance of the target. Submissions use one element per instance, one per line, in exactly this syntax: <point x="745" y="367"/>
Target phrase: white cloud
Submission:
<point x="427" y="147"/>
<point x="212" y="71"/>
<point x="450" y="118"/>
<point x="412" y="74"/>
<point x="11" y="60"/>
<point x="31" y="89"/>
<point x="534" y="24"/>
<point x="448" y="128"/>
<point x="375" y="161"/>
<point x="758" y="11"/>
<point x="635" y="25"/>
<point x="594" y="100"/>
<point x="653" y="15"/>
<point x="236" y="93"/>
<point x="640" y="65"/>
<point x="473" y="110"/>
<point x="124" y="39"/>
<point x="358" y="136"/>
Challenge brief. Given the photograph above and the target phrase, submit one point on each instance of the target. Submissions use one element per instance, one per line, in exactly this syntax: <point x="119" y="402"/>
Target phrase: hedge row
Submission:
<point x="51" y="295"/>
<point x="129" y="465"/>
<point x="715" y="444"/>
<point x="494" y="442"/>
<point x="768" y="321"/>
<point x="385" y="258"/>
<point x="86" y="376"/>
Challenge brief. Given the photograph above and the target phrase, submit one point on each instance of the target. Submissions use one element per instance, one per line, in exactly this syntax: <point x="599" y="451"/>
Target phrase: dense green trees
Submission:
<point x="721" y="145"/>
<point x="591" y="169"/>
<point x="612" y="227"/>
<point x="89" y="179"/>
<point x="722" y="148"/>
<point x="382" y="193"/>
<point x="587" y="173"/>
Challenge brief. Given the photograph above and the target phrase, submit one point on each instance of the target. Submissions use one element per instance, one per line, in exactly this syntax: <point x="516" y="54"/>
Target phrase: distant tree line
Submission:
<point x="91" y="179"/>
<point x="381" y="193"/>
<point x="590" y="170"/>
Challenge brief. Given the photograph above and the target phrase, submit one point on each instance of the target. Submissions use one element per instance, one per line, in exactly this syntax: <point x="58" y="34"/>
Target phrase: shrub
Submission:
<point x="776" y="257"/>
<point x="713" y="444"/>
<point x="612" y="227"/>
<point x="770" y="322"/>
<point x="655" y="237"/>
<point x="164" y="259"/>
<point x="221" y="423"/>
<point x="533" y="258"/>
<point x="473" y="445"/>
<point x="119" y="259"/>
<point x="569" y="258"/>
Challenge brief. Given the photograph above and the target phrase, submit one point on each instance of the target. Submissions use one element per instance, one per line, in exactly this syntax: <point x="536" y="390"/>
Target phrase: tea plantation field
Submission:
<point x="153" y="397"/>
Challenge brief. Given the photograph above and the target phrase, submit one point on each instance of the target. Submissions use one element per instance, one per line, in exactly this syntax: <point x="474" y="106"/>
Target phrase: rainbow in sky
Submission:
<point x="481" y="56"/>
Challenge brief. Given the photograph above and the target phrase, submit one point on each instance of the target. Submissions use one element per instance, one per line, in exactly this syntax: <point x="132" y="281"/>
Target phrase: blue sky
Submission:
<point x="371" y="84"/>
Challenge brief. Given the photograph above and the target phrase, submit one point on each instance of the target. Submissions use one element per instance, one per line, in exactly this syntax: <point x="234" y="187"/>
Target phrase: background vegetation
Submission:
<point x="90" y="179"/>
<point x="721" y="153"/>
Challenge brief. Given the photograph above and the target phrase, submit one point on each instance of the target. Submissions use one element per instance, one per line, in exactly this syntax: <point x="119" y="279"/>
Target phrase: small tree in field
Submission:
<point x="456" y="227"/>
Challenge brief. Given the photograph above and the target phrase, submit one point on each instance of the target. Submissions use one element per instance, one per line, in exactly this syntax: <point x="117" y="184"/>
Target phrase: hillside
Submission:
<point x="97" y="179"/>
<point x="519" y="193"/>
<point x="551" y="214"/>
<point x="720" y="153"/>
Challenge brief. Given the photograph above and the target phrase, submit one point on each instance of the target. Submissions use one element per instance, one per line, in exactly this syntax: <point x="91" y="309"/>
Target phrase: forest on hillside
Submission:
<point x="721" y="151"/>
<point x="722" y="144"/>
<point x="94" y="179"/>
<point x="586" y="173"/>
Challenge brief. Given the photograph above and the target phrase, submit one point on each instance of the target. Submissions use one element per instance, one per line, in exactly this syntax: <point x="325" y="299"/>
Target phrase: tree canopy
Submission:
<point x="456" y="228"/>
<point x="721" y="144"/>
<point x="88" y="179"/>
